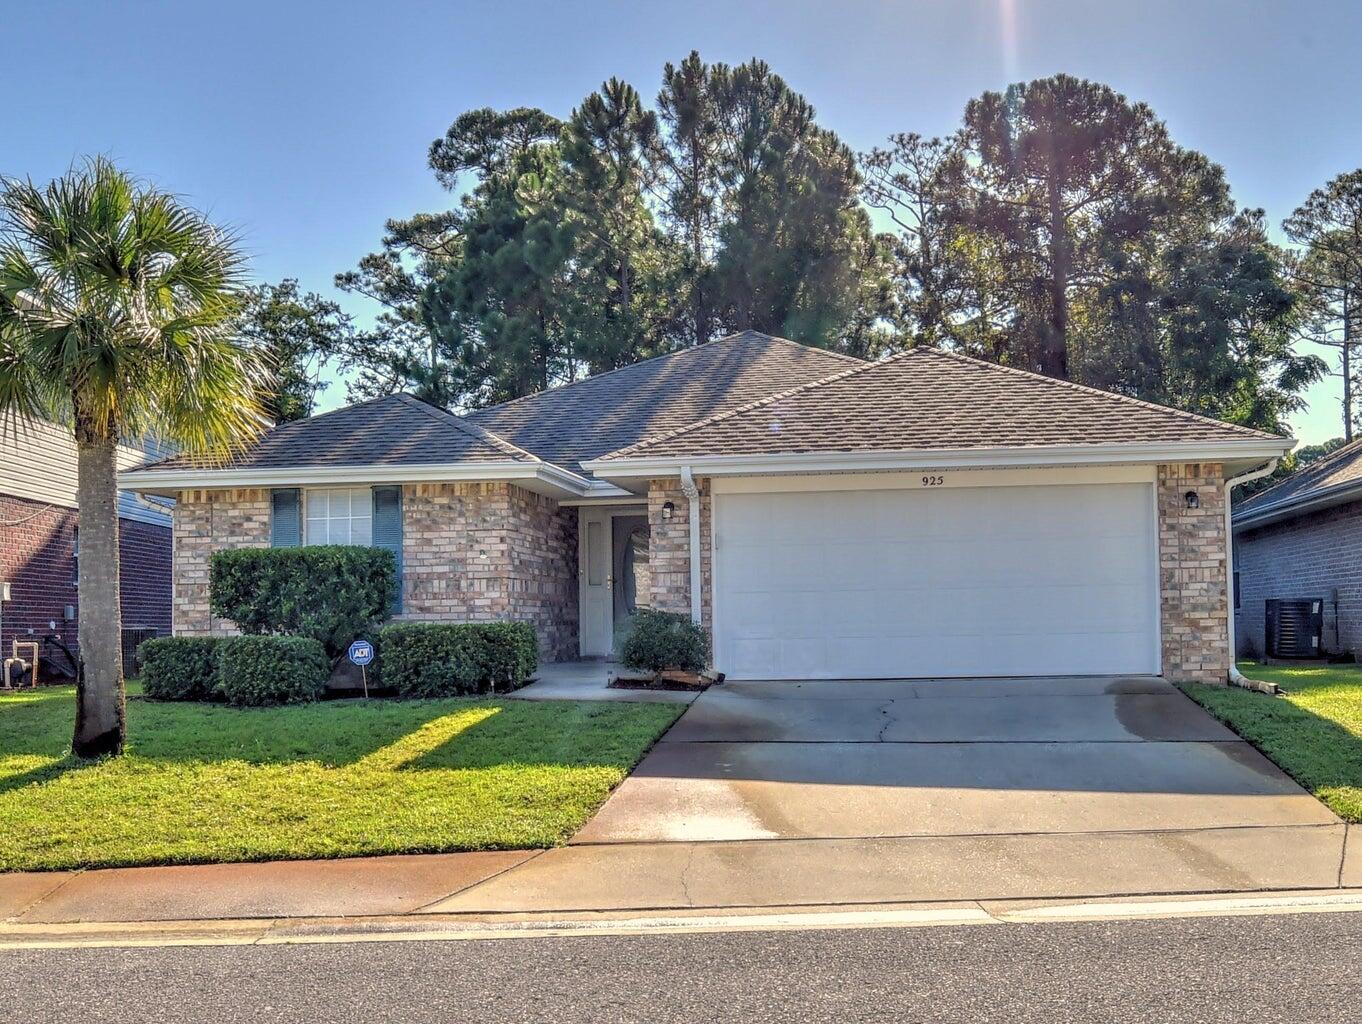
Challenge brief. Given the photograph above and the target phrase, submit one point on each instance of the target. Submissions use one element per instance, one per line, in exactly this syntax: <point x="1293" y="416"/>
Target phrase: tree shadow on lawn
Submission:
<point x="373" y="735"/>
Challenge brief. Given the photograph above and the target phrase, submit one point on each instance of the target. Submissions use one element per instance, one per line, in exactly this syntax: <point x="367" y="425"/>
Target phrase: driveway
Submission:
<point x="779" y="793"/>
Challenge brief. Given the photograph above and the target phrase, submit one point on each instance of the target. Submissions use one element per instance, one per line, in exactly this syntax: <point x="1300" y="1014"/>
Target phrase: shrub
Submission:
<point x="331" y="593"/>
<point x="257" y="670"/>
<point x="179" y="667"/>
<point x="657" y="641"/>
<point x="438" y="660"/>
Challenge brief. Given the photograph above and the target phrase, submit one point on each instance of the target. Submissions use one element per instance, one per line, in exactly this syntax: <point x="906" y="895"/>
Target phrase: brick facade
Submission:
<point x="669" y="549"/>
<point x="1309" y="556"/>
<point x="480" y="552"/>
<point x="472" y="552"/>
<point x="1192" y="598"/>
<point x="38" y="559"/>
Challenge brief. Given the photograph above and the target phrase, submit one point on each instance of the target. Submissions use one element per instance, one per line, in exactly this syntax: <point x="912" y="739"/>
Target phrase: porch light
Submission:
<point x="1192" y="499"/>
<point x="668" y="510"/>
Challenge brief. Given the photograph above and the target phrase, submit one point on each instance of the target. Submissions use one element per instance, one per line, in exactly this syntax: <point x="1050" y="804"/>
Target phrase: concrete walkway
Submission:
<point x="832" y="794"/>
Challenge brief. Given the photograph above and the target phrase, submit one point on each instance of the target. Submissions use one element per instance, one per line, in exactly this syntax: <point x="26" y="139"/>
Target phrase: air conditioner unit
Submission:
<point x="1294" y="627"/>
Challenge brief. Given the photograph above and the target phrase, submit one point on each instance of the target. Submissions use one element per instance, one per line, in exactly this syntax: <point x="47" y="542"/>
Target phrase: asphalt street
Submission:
<point x="1241" y="969"/>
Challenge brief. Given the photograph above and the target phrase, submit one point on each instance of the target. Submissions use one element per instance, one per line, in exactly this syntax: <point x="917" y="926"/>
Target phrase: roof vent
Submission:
<point x="1294" y="627"/>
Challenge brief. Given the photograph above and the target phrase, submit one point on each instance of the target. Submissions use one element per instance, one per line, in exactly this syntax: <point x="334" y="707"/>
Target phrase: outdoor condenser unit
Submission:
<point x="1294" y="627"/>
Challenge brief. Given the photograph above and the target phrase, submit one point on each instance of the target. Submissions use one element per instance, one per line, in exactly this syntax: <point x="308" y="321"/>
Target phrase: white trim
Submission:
<point x="1290" y="508"/>
<point x="692" y="492"/>
<point x="530" y="474"/>
<point x="1057" y="476"/>
<point x="960" y="458"/>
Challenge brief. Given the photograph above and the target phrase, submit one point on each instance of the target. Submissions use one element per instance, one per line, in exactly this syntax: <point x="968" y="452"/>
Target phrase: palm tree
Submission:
<point x="116" y="307"/>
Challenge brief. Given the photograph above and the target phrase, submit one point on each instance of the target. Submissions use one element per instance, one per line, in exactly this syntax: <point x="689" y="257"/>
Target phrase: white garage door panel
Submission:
<point x="979" y="581"/>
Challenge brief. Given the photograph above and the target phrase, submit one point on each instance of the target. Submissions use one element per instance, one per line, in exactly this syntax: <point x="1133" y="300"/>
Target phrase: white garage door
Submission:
<point x="943" y="581"/>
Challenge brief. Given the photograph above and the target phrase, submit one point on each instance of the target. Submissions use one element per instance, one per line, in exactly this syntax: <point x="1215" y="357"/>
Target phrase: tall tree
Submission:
<point x="1074" y="184"/>
<point x="295" y="332"/>
<point x="792" y="227"/>
<point x="688" y="111"/>
<point x="1328" y="227"/>
<point x="117" y="307"/>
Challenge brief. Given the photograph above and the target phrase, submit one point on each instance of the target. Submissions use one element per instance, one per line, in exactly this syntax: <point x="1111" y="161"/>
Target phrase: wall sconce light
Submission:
<point x="668" y="510"/>
<point x="1192" y="499"/>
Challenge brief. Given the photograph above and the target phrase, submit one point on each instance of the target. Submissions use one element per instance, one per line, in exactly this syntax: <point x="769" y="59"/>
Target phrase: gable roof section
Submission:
<point x="395" y="430"/>
<point x="1332" y="480"/>
<point x="927" y="399"/>
<point x="577" y="422"/>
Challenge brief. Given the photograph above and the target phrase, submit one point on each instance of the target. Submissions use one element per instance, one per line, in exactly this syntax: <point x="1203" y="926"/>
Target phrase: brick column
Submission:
<point x="669" y="549"/>
<point x="1192" y="599"/>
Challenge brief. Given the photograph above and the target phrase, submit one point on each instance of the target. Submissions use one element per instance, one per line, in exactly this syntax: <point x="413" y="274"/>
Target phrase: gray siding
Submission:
<point x="38" y="462"/>
<point x="1309" y="556"/>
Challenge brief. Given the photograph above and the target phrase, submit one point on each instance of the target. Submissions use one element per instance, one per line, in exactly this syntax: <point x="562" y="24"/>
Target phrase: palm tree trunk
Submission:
<point x="99" y="693"/>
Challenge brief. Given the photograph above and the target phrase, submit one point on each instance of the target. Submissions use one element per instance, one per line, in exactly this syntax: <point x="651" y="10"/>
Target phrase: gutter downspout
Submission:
<point x="1237" y="678"/>
<point x="692" y="493"/>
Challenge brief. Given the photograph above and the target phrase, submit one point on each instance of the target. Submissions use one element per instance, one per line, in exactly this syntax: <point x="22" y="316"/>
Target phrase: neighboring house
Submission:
<point x="40" y="539"/>
<point x="928" y="515"/>
<point x="1302" y="539"/>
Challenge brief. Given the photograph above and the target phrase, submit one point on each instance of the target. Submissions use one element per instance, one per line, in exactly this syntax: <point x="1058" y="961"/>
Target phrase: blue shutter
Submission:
<point x="286" y="524"/>
<point x="388" y="530"/>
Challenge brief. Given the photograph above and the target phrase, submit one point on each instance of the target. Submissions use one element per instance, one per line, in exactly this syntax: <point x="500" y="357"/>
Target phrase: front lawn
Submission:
<point x="203" y="783"/>
<point x="1314" y="732"/>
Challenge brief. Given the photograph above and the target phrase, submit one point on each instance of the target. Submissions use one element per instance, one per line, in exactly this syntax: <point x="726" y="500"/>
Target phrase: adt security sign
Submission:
<point x="361" y="653"/>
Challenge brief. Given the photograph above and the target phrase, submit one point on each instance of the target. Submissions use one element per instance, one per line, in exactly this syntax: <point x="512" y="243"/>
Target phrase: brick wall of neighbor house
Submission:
<point x="1192" y="594"/>
<point x="208" y="521"/>
<point x="1310" y="556"/>
<point x="669" y="547"/>
<point x="480" y="552"/>
<point x="37" y="557"/>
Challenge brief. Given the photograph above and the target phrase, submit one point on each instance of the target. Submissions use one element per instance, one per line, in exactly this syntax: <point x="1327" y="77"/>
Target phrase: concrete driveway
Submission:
<point x="779" y="793"/>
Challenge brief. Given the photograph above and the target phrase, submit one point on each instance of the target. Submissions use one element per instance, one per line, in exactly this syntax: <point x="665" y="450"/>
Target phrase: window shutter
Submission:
<point x="286" y="525"/>
<point x="388" y="530"/>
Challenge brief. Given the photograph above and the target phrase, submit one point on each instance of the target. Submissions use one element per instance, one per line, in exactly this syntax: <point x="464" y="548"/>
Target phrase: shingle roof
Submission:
<point x="584" y="420"/>
<point x="1334" y="472"/>
<point x="390" y="431"/>
<point x="927" y="399"/>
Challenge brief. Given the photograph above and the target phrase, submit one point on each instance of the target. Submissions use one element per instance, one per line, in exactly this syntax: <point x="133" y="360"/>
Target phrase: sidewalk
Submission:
<point x="651" y="877"/>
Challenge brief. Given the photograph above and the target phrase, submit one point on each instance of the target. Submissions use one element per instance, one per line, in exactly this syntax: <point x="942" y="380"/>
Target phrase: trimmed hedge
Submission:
<point x="254" y="671"/>
<point x="421" y="659"/>
<point x="657" y="641"/>
<point x="330" y="592"/>
<point x="179" y="667"/>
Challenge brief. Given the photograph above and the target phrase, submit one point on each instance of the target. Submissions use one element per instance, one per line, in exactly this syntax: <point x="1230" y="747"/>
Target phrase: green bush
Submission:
<point x="257" y="670"/>
<point x="656" y="641"/>
<point x="179" y="667"/>
<point x="331" y="593"/>
<point x="422" y="659"/>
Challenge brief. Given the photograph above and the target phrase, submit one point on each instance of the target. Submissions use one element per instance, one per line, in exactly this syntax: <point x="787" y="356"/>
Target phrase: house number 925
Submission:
<point x="933" y="481"/>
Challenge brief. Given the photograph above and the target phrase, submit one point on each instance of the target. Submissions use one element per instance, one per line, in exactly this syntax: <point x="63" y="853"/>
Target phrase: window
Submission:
<point x="75" y="556"/>
<point x="1236" y="589"/>
<point x="340" y="515"/>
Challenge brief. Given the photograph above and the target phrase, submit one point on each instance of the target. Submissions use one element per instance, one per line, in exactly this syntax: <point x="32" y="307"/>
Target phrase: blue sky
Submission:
<point x="305" y="124"/>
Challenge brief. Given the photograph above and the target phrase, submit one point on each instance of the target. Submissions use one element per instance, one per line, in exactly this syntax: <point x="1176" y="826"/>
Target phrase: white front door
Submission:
<point x="941" y="581"/>
<point x="594" y="581"/>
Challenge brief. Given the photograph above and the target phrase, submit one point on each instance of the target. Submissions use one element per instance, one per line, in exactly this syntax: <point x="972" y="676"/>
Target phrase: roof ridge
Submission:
<point x="667" y="435"/>
<point x="1089" y="389"/>
<point x="472" y="429"/>
<point x="734" y="336"/>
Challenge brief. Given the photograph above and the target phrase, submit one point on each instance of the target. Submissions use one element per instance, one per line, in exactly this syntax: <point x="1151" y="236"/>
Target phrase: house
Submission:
<point x="40" y="542"/>
<point x="927" y="515"/>
<point x="1302" y="539"/>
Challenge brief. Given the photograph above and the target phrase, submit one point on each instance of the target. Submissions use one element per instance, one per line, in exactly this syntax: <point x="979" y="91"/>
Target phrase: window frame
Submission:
<point x="307" y="517"/>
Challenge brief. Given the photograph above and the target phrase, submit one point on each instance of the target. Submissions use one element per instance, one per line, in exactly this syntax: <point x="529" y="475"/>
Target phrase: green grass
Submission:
<point x="1314" y="732"/>
<point x="203" y="783"/>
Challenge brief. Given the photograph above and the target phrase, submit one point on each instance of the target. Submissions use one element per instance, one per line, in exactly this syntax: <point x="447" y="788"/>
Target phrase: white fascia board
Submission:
<point x="1289" y="508"/>
<point x="1249" y="450"/>
<point x="540" y="476"/>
